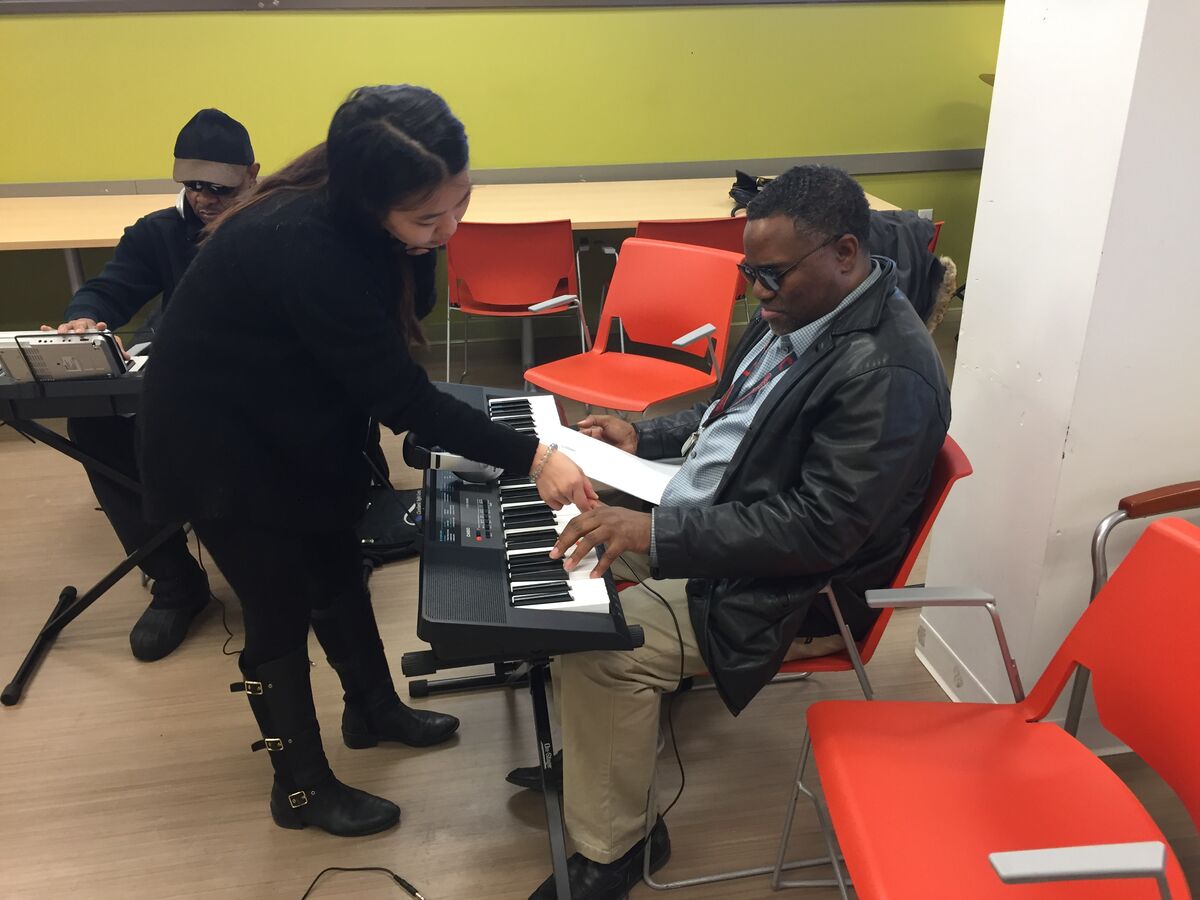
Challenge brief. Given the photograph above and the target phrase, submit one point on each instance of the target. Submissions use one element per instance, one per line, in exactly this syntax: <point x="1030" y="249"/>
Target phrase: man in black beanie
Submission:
<point x="214" y="162"/>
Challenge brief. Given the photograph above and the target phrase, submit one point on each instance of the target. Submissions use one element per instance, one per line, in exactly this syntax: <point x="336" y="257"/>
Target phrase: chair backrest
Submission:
<point x="937" y="232"/>
<point x="511" y="265"/>
<point x="950" y="465"/>
<point x="661" y="291"/>
<point x="1140" y="639"/>
<point x="724" y="233"/>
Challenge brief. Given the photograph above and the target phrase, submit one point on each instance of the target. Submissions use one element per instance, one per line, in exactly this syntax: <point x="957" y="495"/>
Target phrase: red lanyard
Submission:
<point x="731" y="399"/>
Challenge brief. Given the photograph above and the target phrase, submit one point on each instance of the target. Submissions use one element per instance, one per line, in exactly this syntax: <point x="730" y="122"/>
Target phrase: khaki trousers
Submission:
<point x="608" y="702"/>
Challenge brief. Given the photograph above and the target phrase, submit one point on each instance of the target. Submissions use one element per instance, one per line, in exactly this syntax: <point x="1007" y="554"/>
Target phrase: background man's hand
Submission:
<point x="617" y="528"/>
<point x="77" y="326"/>
<point x="610" y="429"/>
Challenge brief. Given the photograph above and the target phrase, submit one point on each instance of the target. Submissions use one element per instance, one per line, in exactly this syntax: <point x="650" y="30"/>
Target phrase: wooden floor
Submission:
<point x="134" y="780"/>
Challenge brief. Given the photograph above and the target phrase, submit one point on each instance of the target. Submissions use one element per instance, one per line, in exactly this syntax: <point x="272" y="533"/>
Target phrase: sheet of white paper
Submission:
<point x="642" y="478"/>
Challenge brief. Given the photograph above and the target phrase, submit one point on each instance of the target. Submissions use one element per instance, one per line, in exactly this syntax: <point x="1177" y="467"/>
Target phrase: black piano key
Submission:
<point x="526" y="518"/>
<point x="545" y="576"/>
<point x="521" y="495"/>
<point x="528" y="541"/>
<point x="559" y="597"/>
<point x="532" y="571"/>
<point x="536" y="587"/>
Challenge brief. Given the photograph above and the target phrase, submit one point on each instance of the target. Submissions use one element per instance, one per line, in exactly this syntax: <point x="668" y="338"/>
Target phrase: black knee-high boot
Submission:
<point x="374" y="712"/>
<point x="305" y="791"/>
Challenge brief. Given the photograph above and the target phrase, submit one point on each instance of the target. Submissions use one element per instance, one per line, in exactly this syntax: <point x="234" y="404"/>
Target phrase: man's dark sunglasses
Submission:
<point x="217" y="190"/>
<point x="771" y="278"/>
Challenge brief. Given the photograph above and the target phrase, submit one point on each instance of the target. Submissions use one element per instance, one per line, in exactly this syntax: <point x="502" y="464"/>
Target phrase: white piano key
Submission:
<point x="588" y="595"/>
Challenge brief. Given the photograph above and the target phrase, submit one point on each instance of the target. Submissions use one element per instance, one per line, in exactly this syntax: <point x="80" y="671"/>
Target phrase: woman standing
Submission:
<point x="290" y="332"/>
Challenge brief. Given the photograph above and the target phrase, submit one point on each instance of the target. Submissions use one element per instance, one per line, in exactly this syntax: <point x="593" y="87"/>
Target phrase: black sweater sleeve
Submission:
<point x="130" y="280"/>
<point x="337" y="306"/>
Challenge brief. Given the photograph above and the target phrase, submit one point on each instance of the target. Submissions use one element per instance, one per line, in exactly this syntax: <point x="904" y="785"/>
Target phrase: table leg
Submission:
<point x="74" y="268"/>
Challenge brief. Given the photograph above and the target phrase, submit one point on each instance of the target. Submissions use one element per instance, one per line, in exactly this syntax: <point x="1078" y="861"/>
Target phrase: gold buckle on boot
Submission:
<point x="297" y="799"/>
<point x="273" y="744"/>
<point x="254" y="687"/>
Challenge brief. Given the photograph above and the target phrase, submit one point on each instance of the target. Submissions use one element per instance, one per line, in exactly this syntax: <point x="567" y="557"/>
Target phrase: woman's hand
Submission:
<point x="561" y="481"/>
<point x="612" y="430"/>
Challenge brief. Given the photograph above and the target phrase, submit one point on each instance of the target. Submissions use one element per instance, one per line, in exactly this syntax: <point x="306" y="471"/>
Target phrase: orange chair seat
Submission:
<point x="476" y="308"/>
<point x="618" y="380"/>
<point x="917" y="818"/>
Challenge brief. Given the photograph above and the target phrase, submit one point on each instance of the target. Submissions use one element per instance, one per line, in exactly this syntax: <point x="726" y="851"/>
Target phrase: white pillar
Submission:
<point x="1078" y="378"/>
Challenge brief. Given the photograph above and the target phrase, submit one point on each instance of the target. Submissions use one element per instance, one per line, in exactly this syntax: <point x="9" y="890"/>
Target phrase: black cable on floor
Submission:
<point x="412" y="891"/>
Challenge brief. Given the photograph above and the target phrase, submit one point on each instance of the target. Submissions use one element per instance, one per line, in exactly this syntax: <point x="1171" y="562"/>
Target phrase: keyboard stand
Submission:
<point x="70" y="602"/>
<point x="505" y="674"/>
<point x="425" y="662"/>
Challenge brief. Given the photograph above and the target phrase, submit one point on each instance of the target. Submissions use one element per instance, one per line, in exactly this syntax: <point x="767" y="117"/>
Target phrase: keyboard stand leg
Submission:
<point x="552" y="793"/>
<point x="507" y="674"/>
<point x="70" y="605"/>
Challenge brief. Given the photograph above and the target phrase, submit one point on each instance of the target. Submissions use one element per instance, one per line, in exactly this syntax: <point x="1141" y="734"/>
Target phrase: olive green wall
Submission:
<point x="102" y="97"/>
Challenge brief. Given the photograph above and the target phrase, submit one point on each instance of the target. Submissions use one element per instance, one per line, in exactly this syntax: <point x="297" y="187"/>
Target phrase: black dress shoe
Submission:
<point x="610" y="881"/>
<point x="333" y="807"/>
<point x="365" y="725"/>
<point x="530" y="777"/>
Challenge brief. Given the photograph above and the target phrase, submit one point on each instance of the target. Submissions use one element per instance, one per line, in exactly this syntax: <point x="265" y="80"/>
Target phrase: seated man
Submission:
<point x="808" y="468"/>
<point x="215" y="164"/>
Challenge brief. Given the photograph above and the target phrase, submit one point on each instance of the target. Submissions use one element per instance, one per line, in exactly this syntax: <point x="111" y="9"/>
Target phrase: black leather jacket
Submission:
<point x="823" y="488"/>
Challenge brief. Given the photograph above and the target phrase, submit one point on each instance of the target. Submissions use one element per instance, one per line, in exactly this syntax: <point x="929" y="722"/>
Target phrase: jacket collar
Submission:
<point x="865" y="312"/>
<point x="861" y="315"/>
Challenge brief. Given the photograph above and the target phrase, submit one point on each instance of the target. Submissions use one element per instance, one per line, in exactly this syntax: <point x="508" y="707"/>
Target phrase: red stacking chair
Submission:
<point x="950" y="465"/>
<point x="937" y="231"/>
<point x="1171" y="498"/>
<point x="663" y="295"/>
<point x="724" y="233"/>
<point x="522" y="269"/>
<point x="966" y="799"/>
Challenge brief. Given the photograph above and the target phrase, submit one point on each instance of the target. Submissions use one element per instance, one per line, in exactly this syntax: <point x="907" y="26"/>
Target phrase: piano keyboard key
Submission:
<point x="530" y="527"/>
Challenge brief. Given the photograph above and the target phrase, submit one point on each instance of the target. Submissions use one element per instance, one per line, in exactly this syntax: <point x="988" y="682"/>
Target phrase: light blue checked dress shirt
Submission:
<point x="696" y="482"/>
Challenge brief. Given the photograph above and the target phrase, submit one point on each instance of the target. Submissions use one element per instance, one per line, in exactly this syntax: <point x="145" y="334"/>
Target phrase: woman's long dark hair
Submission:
<point x="388" y="146"/>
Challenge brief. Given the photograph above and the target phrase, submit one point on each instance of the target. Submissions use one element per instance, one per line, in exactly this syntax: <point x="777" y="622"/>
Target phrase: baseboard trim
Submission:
<point x="952" y="674"/>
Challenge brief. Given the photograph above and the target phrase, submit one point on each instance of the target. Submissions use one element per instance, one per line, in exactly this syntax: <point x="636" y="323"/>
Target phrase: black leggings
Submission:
<point x="281" y="579"/>
<point x="110" y="439"/>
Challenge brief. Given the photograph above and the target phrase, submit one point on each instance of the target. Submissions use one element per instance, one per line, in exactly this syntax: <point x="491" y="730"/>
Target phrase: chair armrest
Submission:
<point x="564" y="300"/>
<point x="585" y="245"/>
<point x="903" y="598"/>
<point x="900" y="598"/>
<point x="1172" y="498"/>
<point x="692" y="336"/>
<point x="1147" y="859"/>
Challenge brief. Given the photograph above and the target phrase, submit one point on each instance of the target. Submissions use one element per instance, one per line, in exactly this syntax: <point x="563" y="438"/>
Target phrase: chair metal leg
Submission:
<point x="447" y="343"/>
<point x="834" y="859"/>
<point x="851" y="646"/>
<point x="466" y="341"/>
<point x="745" y="301"/>
<point x="652" y="815"/>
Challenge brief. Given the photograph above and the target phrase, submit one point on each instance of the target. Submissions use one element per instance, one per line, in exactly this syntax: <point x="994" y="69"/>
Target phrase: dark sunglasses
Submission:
<point x="770" y="277"/>
<point x="217" y="190"/>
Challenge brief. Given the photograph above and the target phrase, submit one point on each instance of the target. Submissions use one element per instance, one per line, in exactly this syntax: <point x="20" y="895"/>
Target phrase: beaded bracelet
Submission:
<point x="538" y="471"/>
